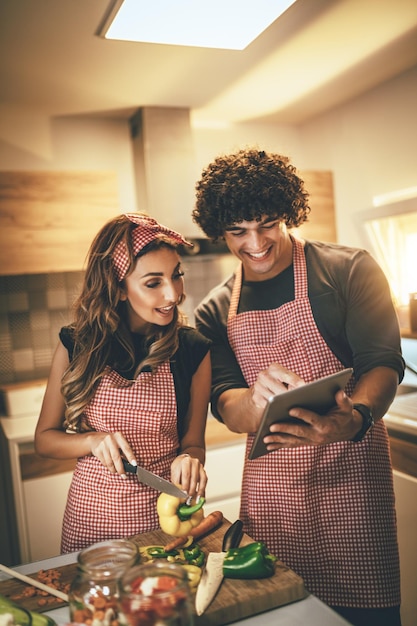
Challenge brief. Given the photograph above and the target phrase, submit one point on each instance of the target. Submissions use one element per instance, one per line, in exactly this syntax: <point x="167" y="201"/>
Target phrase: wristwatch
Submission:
<point x="368" y="421"/>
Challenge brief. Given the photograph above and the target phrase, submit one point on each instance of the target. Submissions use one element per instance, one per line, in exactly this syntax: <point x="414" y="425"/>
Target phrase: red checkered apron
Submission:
<point x="102" y="505"/>
<point x="326" y="511"/>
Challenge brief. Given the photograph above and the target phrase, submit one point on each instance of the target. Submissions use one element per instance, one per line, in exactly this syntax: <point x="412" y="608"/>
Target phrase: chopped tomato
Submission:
<point x="165" y="583"/>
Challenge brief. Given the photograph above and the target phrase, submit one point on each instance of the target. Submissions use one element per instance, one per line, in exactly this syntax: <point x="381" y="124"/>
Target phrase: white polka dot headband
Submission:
<point x="147" y="230"/>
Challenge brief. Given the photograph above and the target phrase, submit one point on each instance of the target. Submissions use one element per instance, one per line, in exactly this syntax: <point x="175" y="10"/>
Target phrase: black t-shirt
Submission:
<point x="192" y="349"/>
<point x="351" y="305"/>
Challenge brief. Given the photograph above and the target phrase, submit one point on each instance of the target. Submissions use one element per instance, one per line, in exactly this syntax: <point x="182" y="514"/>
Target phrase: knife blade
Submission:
<point x="212" y="576"/>
<point x="153" y="480"/>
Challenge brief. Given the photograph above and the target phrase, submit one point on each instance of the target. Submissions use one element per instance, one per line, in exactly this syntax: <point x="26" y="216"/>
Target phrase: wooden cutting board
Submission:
<point x="235" y="600"/>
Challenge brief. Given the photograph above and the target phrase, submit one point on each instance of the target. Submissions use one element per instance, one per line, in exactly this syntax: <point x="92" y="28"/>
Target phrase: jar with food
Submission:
<point x="93" y="595"/>
<point x="155" y="594"/>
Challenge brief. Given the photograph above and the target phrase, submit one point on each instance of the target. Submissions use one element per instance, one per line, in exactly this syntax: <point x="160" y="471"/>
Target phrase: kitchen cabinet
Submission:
<point x="321" y="223"/>
<point x="49" y="219"/>
<point x="224" y="467"/>
<point x="44" y="501"/>
<point x="404" y="461"/>
<point x="405" y="487"/>
<point x="38" y="490"/>
<point x="401" y="422"/>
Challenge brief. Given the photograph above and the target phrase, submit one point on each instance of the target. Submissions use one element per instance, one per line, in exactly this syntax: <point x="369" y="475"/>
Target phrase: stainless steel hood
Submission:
<point x="163" y="157"/>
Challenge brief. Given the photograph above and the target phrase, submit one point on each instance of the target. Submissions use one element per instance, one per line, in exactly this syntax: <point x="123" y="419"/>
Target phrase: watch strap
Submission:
<point x="368" y="421"/>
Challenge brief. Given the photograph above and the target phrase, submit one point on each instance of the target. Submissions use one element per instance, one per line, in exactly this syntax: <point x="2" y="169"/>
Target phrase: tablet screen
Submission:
<point x="317" y="396"/>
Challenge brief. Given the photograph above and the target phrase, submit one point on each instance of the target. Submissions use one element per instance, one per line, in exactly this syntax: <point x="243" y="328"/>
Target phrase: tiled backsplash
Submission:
<point x="34" y="307"/>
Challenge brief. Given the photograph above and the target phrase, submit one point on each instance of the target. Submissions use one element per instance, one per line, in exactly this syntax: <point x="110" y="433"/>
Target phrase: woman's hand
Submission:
<point x="189" y="473"/>
<point x="109" y="449"/>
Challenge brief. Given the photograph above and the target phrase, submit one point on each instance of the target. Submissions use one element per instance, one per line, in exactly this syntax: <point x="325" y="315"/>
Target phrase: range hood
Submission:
<point x="164" y="167"/>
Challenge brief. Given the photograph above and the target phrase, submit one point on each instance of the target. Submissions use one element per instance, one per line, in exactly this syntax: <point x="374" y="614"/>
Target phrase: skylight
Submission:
<point x="227" y="24"/>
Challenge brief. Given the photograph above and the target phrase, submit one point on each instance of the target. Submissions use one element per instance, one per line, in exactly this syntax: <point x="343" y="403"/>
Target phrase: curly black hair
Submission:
<point x="249" y="185"/>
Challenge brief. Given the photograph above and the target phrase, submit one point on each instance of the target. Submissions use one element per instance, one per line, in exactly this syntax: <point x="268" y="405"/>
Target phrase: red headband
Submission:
<point x="147" y="230"/>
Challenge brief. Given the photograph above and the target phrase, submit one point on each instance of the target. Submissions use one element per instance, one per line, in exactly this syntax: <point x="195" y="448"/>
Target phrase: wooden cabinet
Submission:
<point x="404" y="455"/>
<point x="49" y="219"/>
<point x="321" y="223"/>
<point x="224" y="467"/>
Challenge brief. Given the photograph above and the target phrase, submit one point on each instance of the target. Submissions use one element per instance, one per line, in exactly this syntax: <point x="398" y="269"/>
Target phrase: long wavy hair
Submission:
<point x="100" y="321"/>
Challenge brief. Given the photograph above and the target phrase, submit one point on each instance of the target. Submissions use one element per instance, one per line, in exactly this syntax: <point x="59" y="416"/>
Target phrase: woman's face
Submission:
<point x="153" y="289"/>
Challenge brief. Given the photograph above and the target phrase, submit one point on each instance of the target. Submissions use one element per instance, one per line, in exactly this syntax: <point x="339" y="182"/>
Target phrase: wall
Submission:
<point x="33" y="142"/>
<point x="34" y="308"/>
<point x="369" y="144"/>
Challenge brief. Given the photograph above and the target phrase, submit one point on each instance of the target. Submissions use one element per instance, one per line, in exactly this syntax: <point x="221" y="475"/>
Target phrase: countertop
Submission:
<point x="22" y="430"/>
<point x="307" y="611"/>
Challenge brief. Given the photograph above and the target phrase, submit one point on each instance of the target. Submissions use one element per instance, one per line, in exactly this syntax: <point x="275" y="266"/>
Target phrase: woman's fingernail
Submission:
<point x="133" y="462"/>
<point x="123" y="476"/>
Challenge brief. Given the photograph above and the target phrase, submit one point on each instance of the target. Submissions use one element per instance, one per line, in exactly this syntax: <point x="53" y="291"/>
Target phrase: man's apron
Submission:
<point x="102" y="505"/>
<point x="325" y="511"/>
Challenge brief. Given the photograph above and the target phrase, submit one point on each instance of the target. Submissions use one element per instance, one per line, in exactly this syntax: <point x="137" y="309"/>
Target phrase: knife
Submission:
<point x="212" y="576"/>
<point x="153" y="480"/>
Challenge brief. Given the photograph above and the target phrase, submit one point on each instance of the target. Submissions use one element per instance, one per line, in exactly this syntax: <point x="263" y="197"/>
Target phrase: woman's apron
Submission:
<point x="326" y="511"/>
<point x="102" y="505"/>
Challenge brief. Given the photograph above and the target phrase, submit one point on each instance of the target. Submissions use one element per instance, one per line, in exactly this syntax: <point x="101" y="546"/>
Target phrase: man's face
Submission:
<point x="264" y="247"/>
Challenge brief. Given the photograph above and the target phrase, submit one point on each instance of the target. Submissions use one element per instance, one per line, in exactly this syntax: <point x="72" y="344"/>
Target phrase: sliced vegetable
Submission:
<point x="192" y="559"/>
<point x="177" y="518"/>
<point x="194" y="555"/>
<point x="11" y="614"/>
<point x="250" y="561"/>
<point x="22" y="616"/>
<point x="207" y="524"/>
<point x="159" y="552"/>
<point x="40" y="619"/>
<point x="193" y="575"/>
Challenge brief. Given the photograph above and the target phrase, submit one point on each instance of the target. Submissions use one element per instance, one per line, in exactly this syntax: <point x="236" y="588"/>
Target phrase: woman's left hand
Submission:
<point x="189" y="472"/>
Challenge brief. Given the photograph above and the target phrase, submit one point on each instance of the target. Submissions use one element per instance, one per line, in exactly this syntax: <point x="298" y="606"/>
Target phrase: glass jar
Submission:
<point x="155" y="594"/>
<point x="93" y="595"/>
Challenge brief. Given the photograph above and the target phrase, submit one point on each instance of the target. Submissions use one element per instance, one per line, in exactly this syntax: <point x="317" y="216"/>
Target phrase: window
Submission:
<point x="391" y="233"/>
<point x="394" y="244"/>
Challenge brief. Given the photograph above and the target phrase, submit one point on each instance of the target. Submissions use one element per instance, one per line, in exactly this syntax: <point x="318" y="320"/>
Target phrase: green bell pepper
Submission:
<point x="159" y="552"/>
<point x="194" y="555"/>
<point x="251" y="561"/>
<point x="185" y="511"/>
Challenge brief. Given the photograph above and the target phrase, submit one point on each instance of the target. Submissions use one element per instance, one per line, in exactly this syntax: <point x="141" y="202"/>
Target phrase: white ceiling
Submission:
<point x="320" y="53"/>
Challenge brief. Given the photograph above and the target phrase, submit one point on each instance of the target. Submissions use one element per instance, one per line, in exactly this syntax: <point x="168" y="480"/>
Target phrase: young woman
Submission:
<point x="128" y="379"/>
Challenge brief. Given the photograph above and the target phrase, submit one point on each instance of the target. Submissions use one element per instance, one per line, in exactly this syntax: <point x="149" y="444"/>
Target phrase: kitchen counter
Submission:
<point x="307" y="611"/>
<point x="22" y="430"/>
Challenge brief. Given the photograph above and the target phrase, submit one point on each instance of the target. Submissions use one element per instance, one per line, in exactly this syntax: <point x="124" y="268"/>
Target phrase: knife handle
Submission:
<point x="128" y="467"/>
<point x="233" y="536"/>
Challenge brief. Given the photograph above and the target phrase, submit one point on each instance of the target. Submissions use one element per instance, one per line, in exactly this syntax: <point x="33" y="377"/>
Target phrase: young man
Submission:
<point x="293" y="312"/>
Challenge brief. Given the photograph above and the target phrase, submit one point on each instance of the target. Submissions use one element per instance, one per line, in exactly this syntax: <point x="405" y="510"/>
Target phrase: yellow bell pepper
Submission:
<point x="177" y="518"/>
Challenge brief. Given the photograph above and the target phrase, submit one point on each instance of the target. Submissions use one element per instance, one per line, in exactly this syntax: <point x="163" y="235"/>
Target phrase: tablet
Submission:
<point x="317" y="396"/>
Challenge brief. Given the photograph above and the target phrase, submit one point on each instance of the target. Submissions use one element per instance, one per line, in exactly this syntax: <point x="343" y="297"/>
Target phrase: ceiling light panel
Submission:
<point x="227" y="24"/>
